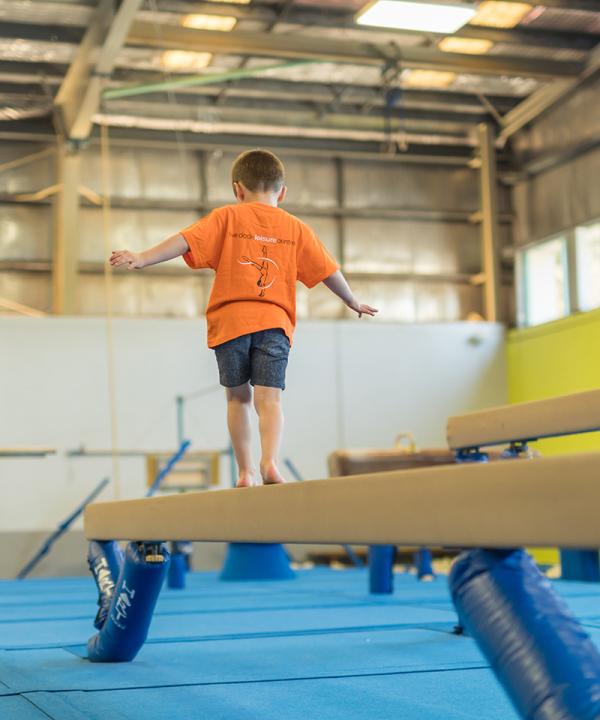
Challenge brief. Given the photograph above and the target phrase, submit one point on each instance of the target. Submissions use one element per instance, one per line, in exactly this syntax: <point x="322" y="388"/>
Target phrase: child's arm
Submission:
<point x="171" y="248"/>
<point x="338" y="285"/>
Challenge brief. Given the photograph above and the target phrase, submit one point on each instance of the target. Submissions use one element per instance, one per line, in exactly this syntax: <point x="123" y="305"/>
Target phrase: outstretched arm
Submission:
<point x="338" y="285"/>
<point x="167" y="250"/>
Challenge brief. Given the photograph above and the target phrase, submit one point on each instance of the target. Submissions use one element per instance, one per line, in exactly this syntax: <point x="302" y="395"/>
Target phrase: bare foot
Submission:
<point x="270" y="474"/>
<point x="245" y="479"/>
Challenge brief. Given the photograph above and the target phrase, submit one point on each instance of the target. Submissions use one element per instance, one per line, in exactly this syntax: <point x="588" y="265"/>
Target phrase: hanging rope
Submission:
<point x="108" y="287"/>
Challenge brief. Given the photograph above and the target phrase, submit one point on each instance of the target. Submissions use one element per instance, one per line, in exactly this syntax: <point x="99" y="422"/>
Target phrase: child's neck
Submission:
<point x="263" y="198"/>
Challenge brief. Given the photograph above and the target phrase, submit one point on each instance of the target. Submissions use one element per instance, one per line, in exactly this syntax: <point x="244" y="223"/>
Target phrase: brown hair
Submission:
<point x="258" y="171"/>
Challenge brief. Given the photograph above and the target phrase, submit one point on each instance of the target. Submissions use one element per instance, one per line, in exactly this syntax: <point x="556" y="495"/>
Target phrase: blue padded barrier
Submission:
<point x="177" y="568"/>
<point x="582" y="565"/>
<point x="132" y="604"/>
<point x="105" y="560"/>
<point x="381" y="568"/>
<point x="256" y="561"/>
<point x="423" y="564"/>
<point x="541" y="655"/>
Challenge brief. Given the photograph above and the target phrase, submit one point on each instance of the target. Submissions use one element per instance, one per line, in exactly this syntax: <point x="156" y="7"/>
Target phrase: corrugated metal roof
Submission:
<point x="560" y="19"/>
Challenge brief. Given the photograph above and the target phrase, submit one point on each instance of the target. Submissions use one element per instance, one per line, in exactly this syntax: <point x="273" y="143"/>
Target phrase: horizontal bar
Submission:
<point x="554" y="417"/>
<point x="509" y="503"/>
<point x="26" y="451"/>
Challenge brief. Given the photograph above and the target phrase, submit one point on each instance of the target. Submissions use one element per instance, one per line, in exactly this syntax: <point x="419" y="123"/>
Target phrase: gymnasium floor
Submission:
<point x="315" y="647"/>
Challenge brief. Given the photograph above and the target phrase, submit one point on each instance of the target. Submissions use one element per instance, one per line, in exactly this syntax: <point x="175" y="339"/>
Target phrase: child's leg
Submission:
<point x="239" y="403"/>
<point x="267" y="401"/>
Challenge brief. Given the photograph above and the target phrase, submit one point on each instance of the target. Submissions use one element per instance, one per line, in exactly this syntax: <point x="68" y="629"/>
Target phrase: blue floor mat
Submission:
<point x="190" y="663"/>
<point x="319" y="646"/>
<point x="454" y="695"/>
<point x="57" y="633"/>
<point x="20" y="708"/>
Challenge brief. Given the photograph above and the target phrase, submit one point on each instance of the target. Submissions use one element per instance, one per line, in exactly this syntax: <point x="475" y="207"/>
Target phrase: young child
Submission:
<point x="258" y="252"/>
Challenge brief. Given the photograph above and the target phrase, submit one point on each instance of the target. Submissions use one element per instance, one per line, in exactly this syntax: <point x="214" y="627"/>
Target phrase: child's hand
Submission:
<point x="361" y="309"/>
<point x="133" y="260"/>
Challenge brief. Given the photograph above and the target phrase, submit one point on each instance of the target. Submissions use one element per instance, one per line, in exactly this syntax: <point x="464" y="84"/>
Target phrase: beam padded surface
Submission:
<point x="564" y="415"/>
<point x="545" y="501"/>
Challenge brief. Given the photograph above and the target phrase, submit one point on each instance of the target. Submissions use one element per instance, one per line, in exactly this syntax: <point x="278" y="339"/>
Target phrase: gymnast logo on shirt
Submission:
<point x="267" y="270"/>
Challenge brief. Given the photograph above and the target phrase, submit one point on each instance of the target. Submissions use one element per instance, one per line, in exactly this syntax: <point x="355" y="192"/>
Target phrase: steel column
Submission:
<point x="66" y="234"/>
<point x="490" y="235"/>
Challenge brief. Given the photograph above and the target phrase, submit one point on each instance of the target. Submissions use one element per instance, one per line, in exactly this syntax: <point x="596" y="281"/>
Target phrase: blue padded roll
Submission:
<point x="546" y="662"/>
<point x="105" y="560"/>
<point x="132" y="604"/>
<point x="381" y="569"/>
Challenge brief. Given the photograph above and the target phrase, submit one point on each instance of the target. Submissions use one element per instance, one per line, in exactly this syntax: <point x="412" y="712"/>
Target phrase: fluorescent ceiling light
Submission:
<point x="492" y="13"/>
<point x="209" y="22"/>
<point x="234" y="2"/>
<point x="184" y="60"/>
<point x="427" y="17"/>
<point x="471" y="46"/>
<point x="427" y="79"/>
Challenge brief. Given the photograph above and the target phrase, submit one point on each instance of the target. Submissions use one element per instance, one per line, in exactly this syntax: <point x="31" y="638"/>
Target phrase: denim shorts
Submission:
<point x="259" y="357"/>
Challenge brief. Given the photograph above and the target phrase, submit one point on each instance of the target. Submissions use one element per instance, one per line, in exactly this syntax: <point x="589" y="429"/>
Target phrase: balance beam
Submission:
<point x="563" y="415"/>
<point x="510" y="503"/>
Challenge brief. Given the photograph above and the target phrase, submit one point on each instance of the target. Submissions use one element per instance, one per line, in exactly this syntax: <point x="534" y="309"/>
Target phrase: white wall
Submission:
<point x="350" y="384"/>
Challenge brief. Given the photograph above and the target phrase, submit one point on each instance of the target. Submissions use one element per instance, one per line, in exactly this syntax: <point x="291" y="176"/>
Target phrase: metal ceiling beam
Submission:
<point x="198" y="106"/>
<point x="303" y="47"/>
<point x="590" y="5"/>
<point x="79" y="96"/>
<point x="342" y="20"/>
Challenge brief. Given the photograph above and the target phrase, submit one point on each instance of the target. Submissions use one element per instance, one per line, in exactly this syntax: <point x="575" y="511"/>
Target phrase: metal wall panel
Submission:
<point x="372" y="185"/>
<point x="170" y="175"/>
<point x="327" y="230"/>
<point x="25" y="232"/>
<point x="408" y="301"/>
<point x="131" y="229"/>
<point x="390" y="246"/>
<point x="124" y="174"/>
<point x="558" y="199"/>
<point x="218" y="176"/>
<point x="145" y="296"/>
<point x="310" y="181"/>
<point x="573" y="121"/>
<point x="139" y="173"/>
<point x="26" y="178"/>
<point x="318" y="303"/>
<point x="32" y="289"/>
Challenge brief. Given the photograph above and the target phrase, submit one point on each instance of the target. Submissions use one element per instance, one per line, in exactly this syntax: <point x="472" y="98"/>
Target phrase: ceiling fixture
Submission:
<point x="470" y="46"/>
<point x="225" y="23"/>
<point x="185" y="60"/>
<point x="421" y="16"/>
<point x="233" y="2"/>
<point x="427" y="79"/>
<point x="493" y="13"/>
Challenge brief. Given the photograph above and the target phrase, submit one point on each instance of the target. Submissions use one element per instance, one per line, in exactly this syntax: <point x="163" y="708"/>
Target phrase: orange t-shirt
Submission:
<point x="258" y="252"/>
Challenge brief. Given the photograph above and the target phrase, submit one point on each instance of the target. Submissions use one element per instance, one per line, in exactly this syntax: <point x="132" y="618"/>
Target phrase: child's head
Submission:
<point x="260" y="172"/>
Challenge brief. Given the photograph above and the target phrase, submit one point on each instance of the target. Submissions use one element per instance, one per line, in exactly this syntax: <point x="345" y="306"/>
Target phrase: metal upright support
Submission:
<point x="490" y="233"/>
<point x="66" y="233"/>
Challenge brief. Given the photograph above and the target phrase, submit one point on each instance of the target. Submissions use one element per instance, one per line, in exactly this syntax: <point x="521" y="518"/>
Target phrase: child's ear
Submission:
<point x="238" y="191"/>
<point x="282" y="194"/>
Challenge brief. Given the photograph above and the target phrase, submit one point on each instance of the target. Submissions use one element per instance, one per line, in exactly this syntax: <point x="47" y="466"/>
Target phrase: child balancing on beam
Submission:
<point x="258" y="252"/>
